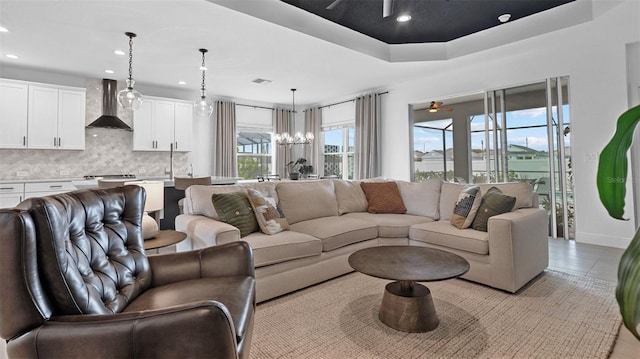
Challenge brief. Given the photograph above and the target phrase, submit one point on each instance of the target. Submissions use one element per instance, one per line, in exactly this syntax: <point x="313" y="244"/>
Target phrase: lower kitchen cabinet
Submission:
<point x="11" y="194"/>
<point x="40" y="189"/>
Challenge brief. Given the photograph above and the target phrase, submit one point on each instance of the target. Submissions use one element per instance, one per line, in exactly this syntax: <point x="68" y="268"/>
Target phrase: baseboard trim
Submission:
<point x="600" y="240"/>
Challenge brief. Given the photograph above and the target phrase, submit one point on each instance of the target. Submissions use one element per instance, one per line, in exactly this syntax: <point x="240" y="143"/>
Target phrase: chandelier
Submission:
<point x="286" y="139"/>
<point x="129" y="98"/>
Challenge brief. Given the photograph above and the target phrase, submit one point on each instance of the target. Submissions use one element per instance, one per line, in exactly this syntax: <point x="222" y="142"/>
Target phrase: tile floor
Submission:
<point x="598" y="262"/>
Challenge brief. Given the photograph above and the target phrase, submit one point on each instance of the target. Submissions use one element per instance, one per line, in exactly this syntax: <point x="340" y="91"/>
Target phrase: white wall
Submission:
<point x="592" y="54"/>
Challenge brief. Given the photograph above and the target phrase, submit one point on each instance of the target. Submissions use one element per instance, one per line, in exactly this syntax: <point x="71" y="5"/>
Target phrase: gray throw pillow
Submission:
<point x="494" y="202"/>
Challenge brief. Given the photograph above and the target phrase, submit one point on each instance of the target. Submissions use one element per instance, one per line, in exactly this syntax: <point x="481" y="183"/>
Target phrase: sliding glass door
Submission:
<point x="529" y="140"/>
<point x="519" y="133"/>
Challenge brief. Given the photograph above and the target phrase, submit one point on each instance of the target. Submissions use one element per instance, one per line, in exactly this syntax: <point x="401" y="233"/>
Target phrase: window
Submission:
<point x="254" y="154"/>
<point x="339" y="145"/>
<point x="433" y="150"/>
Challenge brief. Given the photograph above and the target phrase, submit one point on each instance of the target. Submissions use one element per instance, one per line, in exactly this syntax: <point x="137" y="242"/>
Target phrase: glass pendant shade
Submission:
<point x="203" y="106"/>
<point x="130" y="98"/>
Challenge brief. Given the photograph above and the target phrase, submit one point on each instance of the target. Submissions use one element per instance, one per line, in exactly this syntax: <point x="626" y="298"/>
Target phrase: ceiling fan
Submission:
<point x="435" y="107"/>
<point x="387" y="7"/>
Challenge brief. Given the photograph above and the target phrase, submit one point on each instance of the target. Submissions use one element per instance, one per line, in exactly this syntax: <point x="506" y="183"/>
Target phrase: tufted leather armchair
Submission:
<point x="75" y="283"/>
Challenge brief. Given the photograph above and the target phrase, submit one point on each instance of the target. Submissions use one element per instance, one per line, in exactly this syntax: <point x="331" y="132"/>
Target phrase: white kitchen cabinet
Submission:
<point x="11" y="194"/>
<point x="163" y="124"/>
<point x="160" y="122"/>
<point x="40" y="189"/>
<point x="143" y="135"/>
<point x="13" y="114"/>
<point x="71" y="119"/>
<point x="183" y="126"/>
<point x="56" y="118"/>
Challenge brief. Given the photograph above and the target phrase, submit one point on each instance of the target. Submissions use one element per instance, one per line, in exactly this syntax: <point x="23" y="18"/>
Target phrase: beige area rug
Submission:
<point x="558" y="315"/>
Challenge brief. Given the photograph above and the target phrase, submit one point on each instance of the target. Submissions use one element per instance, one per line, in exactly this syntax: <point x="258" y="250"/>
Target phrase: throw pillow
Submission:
<point x="234" y="208"/>
<point x="421" y="198"/>
<point x="270" y="218"/>
<point x="383" y="197"/>
<point x="494" y="202"/>
<point x="466" y="207"/>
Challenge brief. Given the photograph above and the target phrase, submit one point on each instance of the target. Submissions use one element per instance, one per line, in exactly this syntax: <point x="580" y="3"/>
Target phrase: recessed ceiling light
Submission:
<point x="12" y="56"/>
<point x="110" y="71"/>
<point x="504" y="18"/>
<point x="181" y="83"/>
<point x="3" y="29"/>
<point x="403" y="18"/>
<point x="119" y="52"/>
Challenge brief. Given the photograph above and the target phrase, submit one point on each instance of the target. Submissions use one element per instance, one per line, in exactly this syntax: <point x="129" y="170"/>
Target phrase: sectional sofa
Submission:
<point x="329" y="220"/>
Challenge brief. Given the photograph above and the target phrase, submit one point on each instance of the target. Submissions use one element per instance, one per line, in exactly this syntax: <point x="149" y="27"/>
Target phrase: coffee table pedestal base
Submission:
<point x="408" y="306"/>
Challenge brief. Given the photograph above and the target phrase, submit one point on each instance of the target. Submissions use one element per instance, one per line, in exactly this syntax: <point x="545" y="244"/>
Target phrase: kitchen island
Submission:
<point x="13" y="192"/>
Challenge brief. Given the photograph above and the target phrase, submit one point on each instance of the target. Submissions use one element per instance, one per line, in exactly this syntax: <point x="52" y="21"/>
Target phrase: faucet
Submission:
<point x="190" y="174"/>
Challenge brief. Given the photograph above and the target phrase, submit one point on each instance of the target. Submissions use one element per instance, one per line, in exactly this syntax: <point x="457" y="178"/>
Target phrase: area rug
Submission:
<point x="557" y="315"/>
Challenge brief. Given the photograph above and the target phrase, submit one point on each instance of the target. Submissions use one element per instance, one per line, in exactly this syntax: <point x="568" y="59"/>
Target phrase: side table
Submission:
<point x="164" y="238"/>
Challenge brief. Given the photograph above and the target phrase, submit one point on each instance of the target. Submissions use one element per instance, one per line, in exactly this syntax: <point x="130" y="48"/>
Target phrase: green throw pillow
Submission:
<point x="494" y="202"/>
<point x="234" y="208"/>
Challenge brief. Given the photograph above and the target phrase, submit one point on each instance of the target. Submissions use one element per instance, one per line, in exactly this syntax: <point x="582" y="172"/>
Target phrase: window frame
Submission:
<point x="271" y="146"/>
<point x="348" y="166"/>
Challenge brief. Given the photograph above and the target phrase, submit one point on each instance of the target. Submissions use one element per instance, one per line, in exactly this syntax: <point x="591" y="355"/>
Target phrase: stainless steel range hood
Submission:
<point x="109" y="118"/>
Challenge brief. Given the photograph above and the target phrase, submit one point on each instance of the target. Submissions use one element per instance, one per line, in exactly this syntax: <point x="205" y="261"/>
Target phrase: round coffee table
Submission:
<point x="406" y="305"/>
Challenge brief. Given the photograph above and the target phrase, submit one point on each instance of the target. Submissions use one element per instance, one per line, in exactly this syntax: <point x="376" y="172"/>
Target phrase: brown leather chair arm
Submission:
<point x="232" y="259"/>
<point x="197" y="330"/>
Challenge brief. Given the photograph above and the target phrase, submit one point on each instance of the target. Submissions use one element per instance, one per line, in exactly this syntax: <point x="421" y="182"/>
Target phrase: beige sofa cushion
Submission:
<point x="336" y="232"/>
<point x="421" y="199"/>
<point x="522" y="191"/>
<point x="198" y="197"/>
<point x="350" y="196"/>
<point x="391" y="225"/>
<point x="304" y="200"/>
<point x="282" y="247"/>
<point x="448" y="196"/>
<point x="442" y="233"/>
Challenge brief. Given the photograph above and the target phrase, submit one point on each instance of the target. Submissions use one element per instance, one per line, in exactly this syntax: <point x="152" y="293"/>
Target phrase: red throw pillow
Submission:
<point x="383" y="197"/>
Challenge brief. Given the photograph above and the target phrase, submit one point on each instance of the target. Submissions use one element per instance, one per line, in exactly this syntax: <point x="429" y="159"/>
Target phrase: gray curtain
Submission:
<point x="314" y="152"/>
<point x="367" y="141"/>
<point x="282" y="123"/>
<point x="225" y="155"/>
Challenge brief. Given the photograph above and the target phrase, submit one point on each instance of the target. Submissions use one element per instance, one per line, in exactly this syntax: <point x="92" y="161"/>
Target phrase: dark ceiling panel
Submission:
<point x="432" y="20"/>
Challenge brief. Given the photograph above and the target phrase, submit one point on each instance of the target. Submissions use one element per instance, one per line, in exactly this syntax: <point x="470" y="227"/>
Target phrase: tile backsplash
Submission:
<point x="107" y="151"/>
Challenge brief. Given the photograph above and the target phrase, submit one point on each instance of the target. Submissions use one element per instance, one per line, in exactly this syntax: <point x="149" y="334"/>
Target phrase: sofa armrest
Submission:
<point x="232" y="259"/>
<point x="518" y="247"/>
<point x="204" y="232"/>
<point x="158" y="333"/>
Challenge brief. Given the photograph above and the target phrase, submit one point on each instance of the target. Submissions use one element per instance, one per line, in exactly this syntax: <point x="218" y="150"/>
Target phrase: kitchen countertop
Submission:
<point x="81" y="183"/>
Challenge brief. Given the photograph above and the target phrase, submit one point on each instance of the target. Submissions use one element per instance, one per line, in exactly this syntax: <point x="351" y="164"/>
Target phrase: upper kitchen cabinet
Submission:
<point x="13" y="114"/>
<point x="183" y="126"/>
<point x="160" y="122"/>
<point x="56" y="118"/>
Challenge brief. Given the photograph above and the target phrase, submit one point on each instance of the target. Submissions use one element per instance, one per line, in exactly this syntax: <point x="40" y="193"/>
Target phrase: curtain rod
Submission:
<point x="266" y="108"/>
<point x="333" y="104"/>
<point x="353" y="99"/>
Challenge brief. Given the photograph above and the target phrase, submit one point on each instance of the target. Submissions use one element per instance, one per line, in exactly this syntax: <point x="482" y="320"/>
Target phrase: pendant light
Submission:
<point x="202" y="106"/>
<point x="129" y="98"/>
<point x="298" y="139"/>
